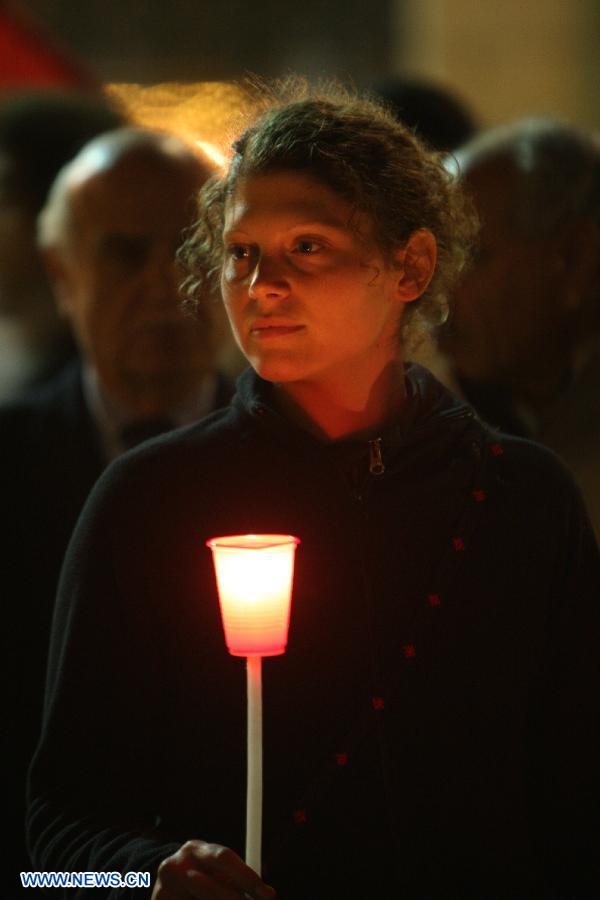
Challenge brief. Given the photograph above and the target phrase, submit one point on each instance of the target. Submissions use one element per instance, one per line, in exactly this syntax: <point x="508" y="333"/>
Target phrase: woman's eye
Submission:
<point x="307" y="247"/>
<point x="238" y="252"/>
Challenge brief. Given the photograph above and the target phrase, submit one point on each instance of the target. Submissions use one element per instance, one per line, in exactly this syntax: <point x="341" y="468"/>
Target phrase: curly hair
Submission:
<point x="354" y="145"/>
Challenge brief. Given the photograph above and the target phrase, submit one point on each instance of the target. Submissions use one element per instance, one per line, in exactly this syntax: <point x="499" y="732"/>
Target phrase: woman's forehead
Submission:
<point x="286" y="195"/>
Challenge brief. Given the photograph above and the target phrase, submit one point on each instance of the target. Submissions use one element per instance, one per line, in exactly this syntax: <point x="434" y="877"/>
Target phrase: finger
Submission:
<point x="204" y="887"/>
<point x="218" y="860"/>
<point x="179" y="883"/>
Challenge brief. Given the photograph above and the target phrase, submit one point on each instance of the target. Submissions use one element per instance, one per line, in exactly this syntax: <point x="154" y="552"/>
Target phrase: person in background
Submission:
<point x="432" y="728"/>
<point x="108" y="235"/>
<point x="39" y="133"/>
<point x="523" y="340"/>
<point x="437" y="116"/>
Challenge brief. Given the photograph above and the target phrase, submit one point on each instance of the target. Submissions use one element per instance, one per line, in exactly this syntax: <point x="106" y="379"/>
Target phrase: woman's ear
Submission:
<point x="415" y="262"/>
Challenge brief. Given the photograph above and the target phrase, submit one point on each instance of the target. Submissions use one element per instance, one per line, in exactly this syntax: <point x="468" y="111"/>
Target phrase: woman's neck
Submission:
<point x="332" y="410"/>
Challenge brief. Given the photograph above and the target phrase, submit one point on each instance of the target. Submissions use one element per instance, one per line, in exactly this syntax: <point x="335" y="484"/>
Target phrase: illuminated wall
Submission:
<point x="509" y="58"/>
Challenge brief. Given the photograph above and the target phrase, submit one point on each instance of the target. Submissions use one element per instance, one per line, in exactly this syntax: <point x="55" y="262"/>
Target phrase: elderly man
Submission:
<point x="39" y="134"/>
<point x="108" y="233"/>
<point x="524" y="335"/>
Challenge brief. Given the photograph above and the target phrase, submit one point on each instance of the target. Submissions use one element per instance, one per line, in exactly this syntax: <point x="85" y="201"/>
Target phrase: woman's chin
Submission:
<point x="277" y="369"/>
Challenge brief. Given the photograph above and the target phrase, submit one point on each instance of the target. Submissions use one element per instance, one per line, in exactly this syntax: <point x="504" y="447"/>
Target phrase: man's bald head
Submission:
<point x="553" y="168"/>
<point x="530" y="300"/>
<point x="104" y="156"/>
<point x="109" y="234"/>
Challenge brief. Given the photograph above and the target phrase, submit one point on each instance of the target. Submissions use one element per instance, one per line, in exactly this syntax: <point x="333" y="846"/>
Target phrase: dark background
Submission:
<point x="147" y="41"/>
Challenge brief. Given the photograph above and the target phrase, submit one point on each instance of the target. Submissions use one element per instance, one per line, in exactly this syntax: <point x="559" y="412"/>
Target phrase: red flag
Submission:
<point x="30" y="57"/>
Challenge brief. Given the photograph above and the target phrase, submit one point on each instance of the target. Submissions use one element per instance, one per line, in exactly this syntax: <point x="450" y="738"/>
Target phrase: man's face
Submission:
<point x="119" y="285"/>
<point x="509" y="315"/>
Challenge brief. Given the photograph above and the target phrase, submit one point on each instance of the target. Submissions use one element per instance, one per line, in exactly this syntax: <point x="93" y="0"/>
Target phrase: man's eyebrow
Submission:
<point x="120" y="243"/>
<point x="119" y="238"/>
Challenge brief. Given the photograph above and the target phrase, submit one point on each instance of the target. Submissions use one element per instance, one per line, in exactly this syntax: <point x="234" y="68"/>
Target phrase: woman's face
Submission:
<point x="308" y="294"/>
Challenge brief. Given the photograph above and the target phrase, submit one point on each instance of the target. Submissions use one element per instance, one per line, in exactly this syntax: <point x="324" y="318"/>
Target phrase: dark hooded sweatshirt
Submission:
<point x="432" y="729"/>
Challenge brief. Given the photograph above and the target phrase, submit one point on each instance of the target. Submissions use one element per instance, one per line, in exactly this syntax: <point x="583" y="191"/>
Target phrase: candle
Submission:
<point x="254" y="580"/>
<point x="254" y="577"/>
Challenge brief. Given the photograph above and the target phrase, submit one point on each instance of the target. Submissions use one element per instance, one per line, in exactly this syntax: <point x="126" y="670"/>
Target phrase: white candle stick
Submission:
<point x="254" y="577"/>
<point x="254" y="786"/>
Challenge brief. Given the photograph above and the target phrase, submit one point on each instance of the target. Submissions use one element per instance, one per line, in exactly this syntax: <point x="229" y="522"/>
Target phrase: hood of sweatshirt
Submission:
<point x="433" y="426"/>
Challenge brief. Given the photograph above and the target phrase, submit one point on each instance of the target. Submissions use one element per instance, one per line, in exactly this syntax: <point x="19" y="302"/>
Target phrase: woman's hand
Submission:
<point x="209" y="872"/>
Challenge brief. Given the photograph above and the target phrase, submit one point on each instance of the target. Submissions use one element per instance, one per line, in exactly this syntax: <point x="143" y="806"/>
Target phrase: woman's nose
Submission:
<point x="268" y="280"/>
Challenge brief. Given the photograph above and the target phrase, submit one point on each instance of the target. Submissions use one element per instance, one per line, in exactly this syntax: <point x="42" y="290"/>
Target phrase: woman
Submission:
<point x="430" y="731"/>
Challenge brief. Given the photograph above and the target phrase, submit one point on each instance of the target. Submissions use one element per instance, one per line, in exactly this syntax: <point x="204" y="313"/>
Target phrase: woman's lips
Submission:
<point x="264" y="332"/>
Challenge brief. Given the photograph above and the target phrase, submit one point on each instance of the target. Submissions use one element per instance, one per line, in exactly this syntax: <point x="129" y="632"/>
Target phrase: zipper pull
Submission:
<point x="376" y="466"/>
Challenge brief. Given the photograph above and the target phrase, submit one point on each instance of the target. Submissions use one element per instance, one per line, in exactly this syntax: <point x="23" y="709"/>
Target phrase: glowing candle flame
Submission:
<point x="254" y="578"/>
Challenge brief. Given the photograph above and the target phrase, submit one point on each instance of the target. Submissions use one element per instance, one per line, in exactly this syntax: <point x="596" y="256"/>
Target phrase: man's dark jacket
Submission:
<point x="431" y="730"/>
<point x="50" y="458"/>
<point x="49" y="461"/>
